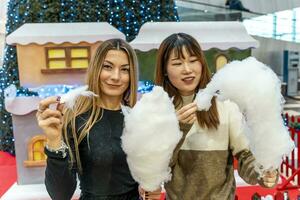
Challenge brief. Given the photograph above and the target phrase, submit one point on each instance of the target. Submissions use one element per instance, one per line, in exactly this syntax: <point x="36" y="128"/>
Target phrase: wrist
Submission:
<point x="54" y="143"/>
<point x="60" y="151"/>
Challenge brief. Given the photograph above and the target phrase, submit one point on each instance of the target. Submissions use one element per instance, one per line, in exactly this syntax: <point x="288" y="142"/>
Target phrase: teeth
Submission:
<point x="188" y="79"/>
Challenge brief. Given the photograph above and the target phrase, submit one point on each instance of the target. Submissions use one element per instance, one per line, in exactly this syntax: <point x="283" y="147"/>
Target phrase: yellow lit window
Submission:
<point x="221" y="60"/>
<point x="57" y="64"/>
<point x="68" y="57"/>
<point x="83" y="63"/>
<point x="79" y="53"/>
<point x="35" y="152"/>
<point x="79" y="57"/>
<point x="38" y="150"/>
<point x="56" y="53"/>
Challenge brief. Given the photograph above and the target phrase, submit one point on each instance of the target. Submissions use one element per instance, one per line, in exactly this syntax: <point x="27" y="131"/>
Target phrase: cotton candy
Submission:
<point x="150" y="136"/>
<point x="255" y="88"/>
<point x="69" y="98"/>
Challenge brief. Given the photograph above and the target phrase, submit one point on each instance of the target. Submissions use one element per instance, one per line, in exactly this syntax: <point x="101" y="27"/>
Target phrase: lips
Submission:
<point x="113" y="85"/>
<point x="188" y="80"/>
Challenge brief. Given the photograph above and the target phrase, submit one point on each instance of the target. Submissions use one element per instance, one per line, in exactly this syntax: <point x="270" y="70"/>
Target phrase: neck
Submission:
<point x="111" y="103"/>
<point x="187" y="99"/>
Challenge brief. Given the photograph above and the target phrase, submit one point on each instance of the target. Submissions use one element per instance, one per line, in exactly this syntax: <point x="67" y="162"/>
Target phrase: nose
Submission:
<point x="115" y="75"/>
<point x="187" y="68"/>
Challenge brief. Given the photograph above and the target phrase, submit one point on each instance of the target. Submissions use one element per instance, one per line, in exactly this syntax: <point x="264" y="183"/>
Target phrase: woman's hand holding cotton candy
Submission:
<point x="50" y="121"/>
<point x="260" y="101"/>
<point x="269" y="178"/>
<point x="155" y="195"/>
<point x="187" y="114"/>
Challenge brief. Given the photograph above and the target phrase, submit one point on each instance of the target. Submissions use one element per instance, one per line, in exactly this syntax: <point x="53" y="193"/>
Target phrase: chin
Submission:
<point x="190" y="90"/>
<point x="113" y="93"/>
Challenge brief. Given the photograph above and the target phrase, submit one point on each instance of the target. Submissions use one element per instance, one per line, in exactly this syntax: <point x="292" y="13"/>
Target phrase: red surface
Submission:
<point x="246" y="192"/>
<point x="8" y="172"/>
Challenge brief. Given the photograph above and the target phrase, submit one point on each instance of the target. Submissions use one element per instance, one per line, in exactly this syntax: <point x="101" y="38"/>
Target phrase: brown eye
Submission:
<point x="176" y="64"/>
<point x="107" y="67"/>
<point x="125" y="70"/>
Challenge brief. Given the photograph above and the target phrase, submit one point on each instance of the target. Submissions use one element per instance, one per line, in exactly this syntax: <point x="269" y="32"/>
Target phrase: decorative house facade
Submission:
<point x="57" y="53"/>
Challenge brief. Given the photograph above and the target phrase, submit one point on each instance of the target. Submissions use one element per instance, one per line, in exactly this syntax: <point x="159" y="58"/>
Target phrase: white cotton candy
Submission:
<point x="205" y="100"/>
<point x="150" y="136"/>
<point x="125" y="110"/>
<point x="69" y="98"/>
<point x="255" y="88"/>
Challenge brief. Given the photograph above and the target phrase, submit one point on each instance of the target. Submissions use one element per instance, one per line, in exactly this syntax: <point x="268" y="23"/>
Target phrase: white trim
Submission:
<point x="221" y="35"/>
<point x="42" y="33"/>
<point x="22" y="105"/>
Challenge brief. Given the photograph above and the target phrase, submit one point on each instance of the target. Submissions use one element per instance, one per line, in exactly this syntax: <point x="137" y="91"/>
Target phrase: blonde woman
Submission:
<point x="86" y="141"/>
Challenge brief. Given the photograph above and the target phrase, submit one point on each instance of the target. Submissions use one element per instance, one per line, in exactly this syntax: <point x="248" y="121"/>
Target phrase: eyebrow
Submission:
<point x="125" y="65"/>
<point x="193" y="56"/>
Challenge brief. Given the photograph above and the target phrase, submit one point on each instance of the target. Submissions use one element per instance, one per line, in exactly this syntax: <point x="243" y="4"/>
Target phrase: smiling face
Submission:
<point x="184" y="72"/>
<point x="115" y="75"/>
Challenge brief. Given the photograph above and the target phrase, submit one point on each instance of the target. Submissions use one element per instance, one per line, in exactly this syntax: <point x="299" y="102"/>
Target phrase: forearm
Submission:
<point x="60" y="180"/>
<point x="246" y="167"/>
<point x="247" y="171"/>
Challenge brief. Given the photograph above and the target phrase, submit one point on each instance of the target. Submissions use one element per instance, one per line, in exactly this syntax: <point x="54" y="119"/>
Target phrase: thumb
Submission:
<point x="60" y="107"/>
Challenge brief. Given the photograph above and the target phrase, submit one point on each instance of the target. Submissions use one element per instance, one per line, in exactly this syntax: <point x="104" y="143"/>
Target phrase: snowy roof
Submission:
<point x="41" y="33"/>
<point x="22" y="105"/>
<point x="221" y="35"/>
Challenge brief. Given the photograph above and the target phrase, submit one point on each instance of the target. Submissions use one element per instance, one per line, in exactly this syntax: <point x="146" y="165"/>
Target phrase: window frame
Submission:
<point x="30" y="153"/>
<point x="68" y="59"/>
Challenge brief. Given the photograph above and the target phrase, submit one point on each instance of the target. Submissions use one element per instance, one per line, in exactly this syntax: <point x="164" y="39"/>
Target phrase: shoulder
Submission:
<point x="228" y="110"/>
<point x="227" y="105"/>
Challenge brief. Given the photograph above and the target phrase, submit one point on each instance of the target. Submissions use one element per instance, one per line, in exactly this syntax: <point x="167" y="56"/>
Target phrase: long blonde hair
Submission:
<point x="176" y="42"/>
<point x="84" y="104"/>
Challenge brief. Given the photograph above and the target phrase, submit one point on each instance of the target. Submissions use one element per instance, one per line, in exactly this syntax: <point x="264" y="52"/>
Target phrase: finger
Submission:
<point x="50" y="113"/>
<point x="270" y="176"/>
<point x="269" y="185"/>
<point x="45" y="103"/>
<point x="270" y="180"/>
<point x="153" y="193"/>
<point x="154" y="196"/>
<point x="188" y="113"/>
<point x="188" y="119"/>
<point x="50" y="121"/>
<point x="192" y="120"/>
<point x="186" y="107"/>
<point x="60" y="107"/>
<point x="271" y="173"/>
<point x="37" y="115"/>
<point x="141" y="191"/>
